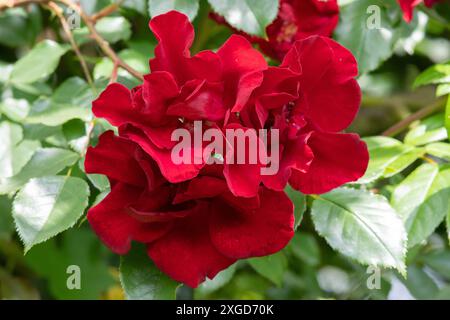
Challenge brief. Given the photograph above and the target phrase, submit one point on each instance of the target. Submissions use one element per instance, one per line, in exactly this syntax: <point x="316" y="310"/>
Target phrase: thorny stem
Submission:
<point x="65" y="25"/>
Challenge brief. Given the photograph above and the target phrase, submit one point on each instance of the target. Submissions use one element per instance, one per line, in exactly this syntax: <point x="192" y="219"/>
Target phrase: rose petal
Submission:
<point x="186" y="253"/>
<point x="115" y="227"/>
<point x="338" y="158"/>
<point x="296" y="155"/>
<point x="203" y="103"/>
<point x="175" y="35"/>
<point x="115" y="105"/>
<point x="251" y="233"/>
<point x="330" y="96"/>
<point x="242" y="67"/>
<point x="115" y="157"/>
<point x="172" y="172"/>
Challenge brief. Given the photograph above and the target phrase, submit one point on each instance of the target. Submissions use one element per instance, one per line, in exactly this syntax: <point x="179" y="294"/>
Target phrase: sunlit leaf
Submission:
<point x="39" y="63"/>
<point x="44" y="162"/>
<point x="362" y="226"/>
<point x="188" y="7"/>
<point x="250" y="16"/>
<point x="47" y="206"/>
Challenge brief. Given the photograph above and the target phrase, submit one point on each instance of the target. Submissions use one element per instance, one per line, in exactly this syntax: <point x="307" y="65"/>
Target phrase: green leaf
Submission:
<point x="427" y="131"/>
<point x="14" y="151"/>
<point x="403" y="161"/>
<point x="422" y="201"/>
<point x="104" y="68"/>
<point x="299" y="201"/>
<point x="39" y="63"/>
<point x="5" y="71"/>
<point x="112" y="29"/>
<point x="188" y="7"/>
<point x="71" y="100"/>
<point x="141" y="280"/>
<point x="93" y="6"/>
<point x="45" y="111"/>
<point x="439" y="149"/>
<point x="305" y="247"/>
<point x="388" y="156"/>
<point x="362" y="226"/>
<point x="371" y="45"/>
<point x="443" y="89"/>
<point x="271" y="267"/>
<point x="15" y="109"/>
<point x="44" y="162"/>
<point x="74" y="91"/>
<point x="419" y="136"/>
<point x="100" y="181"/>
<point x="439" y="73"/>
<point x="250" y="16"/>
<point x="221" y="279"/>
<point x="412" y="191"/>
<point x="47" y="206"/>
<point x="139" y="6"/>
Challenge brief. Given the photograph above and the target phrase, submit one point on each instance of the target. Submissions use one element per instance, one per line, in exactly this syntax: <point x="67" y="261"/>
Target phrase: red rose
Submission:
<point x="193" y="229"/>
<point x="310" y="99"/>
<point x="297" y="19"/>
<point x="407" y="7"/>
<point x="198" y="218"/>
<point x="182" y="89"/>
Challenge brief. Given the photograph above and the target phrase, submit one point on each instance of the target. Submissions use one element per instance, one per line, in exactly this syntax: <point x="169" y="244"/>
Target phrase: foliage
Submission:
<point x="396" y="217"/>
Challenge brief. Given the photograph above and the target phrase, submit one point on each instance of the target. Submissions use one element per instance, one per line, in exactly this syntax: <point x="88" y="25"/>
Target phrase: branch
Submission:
<point x="103" y="44"/>
<point x="422" y="113"/>
<point x="106" y="11"/>
<point x="65" y="25"/>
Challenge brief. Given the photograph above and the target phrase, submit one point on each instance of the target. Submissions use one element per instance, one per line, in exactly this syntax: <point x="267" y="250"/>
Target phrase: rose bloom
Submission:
<point x="196" y="219"/>
<point x="296" y="20"/>
<point x="310" y="99"/>
<point x="407" y="7"/>
<point x="193" y="229"/>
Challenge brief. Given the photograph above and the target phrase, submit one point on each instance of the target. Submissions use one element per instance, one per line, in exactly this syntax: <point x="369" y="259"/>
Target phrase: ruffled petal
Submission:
<point x="243" y="179"/>
<point x="338" y="158"/>
<point x="242" y="70"/>
<point x="113" y="224"/>
<point x="296" y="155"/>
<point x="186" y="253"/>
<point x="115" y="105"/>
<point x="315" y="17"/>
<point x="175" y="35"/>
<point x="157" y="91"/>
<point x="174" y="173"/>
<point x="257" y="232"/>
<point x="330" y="95"/>
<point x="200" y="188"/>
<point x="204" y="102"/>
<point x="115" y="157"/>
